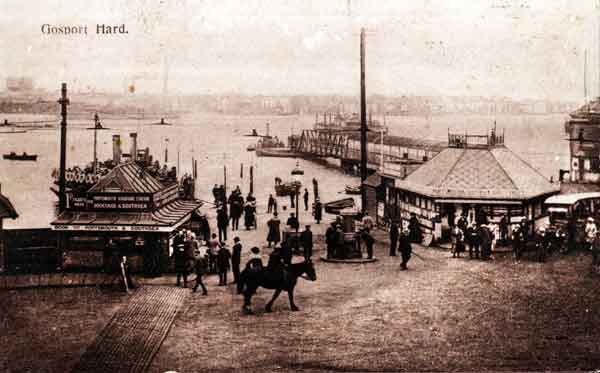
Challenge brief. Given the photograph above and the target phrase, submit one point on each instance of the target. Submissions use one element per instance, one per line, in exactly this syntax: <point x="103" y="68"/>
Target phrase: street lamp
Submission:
<point x="297" y="182"/>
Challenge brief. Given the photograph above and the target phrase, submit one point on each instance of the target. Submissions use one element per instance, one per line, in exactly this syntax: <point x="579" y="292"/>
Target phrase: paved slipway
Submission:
<point x="130" y="340"/>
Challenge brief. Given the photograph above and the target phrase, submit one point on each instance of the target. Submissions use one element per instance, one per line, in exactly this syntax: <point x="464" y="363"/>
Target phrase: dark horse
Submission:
<point x="282" y="280"/>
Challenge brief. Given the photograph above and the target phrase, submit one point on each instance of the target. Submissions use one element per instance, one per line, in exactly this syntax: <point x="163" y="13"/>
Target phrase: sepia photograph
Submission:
<point x="299" y="185"/>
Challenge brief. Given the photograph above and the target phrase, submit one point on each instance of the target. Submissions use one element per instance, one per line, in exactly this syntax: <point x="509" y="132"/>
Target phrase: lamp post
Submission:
<point x="297" y="182"/>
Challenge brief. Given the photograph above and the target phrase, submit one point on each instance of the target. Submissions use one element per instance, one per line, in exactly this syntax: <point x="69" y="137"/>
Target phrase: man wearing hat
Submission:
<point x="485" y="238"/>
<point x="236" y="257"/>
<point x="306" y="238"/>
<point x="590" y="232"/>
<point x="318" y="210"/>
<point x="255" y="262"/>
<point x="254" y="265"/>
<point x="330" y="240"/>
<point x="179" y="259"/>
<point x="542" y="239"/>
<point x="223" y="258"/>
<point x="516" y="241"/>
<point x="293" y="222"/>
<point x="405" y="248"/>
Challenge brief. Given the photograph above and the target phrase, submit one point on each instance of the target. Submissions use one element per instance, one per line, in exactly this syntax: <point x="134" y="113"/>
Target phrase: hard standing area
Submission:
<point x="441" y="314"/>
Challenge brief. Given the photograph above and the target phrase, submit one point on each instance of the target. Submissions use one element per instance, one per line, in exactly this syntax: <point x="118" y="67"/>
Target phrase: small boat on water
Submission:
<point x="19" y="131"/>
<point x="297" y="170"/>
<point x="254" y="134"/>
<point x="287" y="189"/>
<point x="334" y="207"/>
<point x="277" y="152"/>
<point x="161" y="123"/>
<point x="353" y="189"/>
<point x="251" y="148"/>
<point x="20" y="157"/>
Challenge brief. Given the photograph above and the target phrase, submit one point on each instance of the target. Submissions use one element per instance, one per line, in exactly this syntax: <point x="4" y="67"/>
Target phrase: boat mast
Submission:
<point x="585" y="95"/>
<point x="96" y="124"/>
<point x="381" y="151"/>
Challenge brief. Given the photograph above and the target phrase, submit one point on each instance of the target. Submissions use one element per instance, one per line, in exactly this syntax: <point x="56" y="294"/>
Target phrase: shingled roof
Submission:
<point x="167" y="216"/>
<point x="129" y="178"/>
<point x="482" y="173"/>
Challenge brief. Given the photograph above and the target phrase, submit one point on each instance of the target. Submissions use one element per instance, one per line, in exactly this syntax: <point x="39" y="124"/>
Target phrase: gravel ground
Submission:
<point x="441" y="314"/>
<point x="47" y="330"/>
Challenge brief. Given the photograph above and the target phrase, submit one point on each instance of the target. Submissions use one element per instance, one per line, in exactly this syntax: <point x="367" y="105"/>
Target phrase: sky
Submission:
<point x="514" y="48"/>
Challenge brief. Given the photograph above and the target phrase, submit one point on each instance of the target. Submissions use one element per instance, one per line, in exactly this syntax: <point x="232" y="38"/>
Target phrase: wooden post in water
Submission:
<point x="251" y="179"/>
<point x="363" y="123"/>
<point x="241" y="170"/>
<point x="62" y="196"/>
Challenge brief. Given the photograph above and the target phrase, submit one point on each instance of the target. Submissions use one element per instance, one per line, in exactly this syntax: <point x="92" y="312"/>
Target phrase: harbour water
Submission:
<point x="218" y="140"/>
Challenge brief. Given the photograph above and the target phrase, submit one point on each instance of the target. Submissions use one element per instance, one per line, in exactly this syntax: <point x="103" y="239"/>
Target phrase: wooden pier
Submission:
<point x="345" y="146"/>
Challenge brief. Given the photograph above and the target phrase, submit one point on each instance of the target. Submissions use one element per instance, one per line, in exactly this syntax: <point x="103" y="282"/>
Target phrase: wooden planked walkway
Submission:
<point x="130" y="340"/>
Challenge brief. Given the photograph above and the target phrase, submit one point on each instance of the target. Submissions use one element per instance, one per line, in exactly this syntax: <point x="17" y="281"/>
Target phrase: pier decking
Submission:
<point x="345" y="145"/>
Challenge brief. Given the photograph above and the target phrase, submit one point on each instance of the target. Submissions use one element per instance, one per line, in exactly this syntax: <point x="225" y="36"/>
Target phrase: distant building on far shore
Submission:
<point x="21" y="84"/>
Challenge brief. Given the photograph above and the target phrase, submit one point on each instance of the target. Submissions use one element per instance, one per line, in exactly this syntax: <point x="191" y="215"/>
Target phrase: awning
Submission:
<point x="165" y="219"/>
<point x="479" y="201"/>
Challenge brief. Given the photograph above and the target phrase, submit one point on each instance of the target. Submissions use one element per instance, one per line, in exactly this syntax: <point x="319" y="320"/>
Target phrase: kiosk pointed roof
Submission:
<point x="129" y="178"/>
<point x="485" y="171"/>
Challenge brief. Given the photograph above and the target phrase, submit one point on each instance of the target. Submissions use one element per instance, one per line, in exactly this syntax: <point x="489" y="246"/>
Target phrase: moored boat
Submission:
<point x="20" y="157"/>
<point x="277" y="152"/>
<point x="353" y="189"/>
<point x="287" y="188"/>
<point x="297" y="170"/>
<point x="334" y="207"/>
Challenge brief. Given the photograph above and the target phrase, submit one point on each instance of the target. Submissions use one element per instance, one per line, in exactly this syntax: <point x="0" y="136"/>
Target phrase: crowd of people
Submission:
<point x="203" y="252"/>
<point x="472" y="233"/>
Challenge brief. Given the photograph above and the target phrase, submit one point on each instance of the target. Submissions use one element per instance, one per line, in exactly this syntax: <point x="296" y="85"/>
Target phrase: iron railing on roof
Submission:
<point x="475" y="141"/>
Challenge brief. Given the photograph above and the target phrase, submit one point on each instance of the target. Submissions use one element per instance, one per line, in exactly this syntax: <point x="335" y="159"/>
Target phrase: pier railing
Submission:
<point x="345" y="146"/>
<point x="475" y="141"/>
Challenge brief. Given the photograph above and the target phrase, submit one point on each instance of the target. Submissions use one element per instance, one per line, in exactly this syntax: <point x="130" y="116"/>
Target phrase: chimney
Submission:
<point x="116" y="149"/>
<point x="133" y="151"/>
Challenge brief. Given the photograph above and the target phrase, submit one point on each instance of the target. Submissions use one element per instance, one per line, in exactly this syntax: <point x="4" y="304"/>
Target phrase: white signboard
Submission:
<point x="111" y="228"/>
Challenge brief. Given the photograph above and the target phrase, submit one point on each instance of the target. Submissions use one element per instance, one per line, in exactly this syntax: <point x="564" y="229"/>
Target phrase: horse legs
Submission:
<point x="248" y="292"/>
<point x="291" y="297"/>
<point x="270" y="304"/>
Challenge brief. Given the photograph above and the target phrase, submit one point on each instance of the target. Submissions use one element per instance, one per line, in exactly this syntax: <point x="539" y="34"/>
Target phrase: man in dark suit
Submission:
<point x="235" y="259"/>
<point x="222" y="223"/>
<point x="223" y="258"/>
<point x="305" y="199"/>
<point x="306" y="238"/>
<point x="394" y="233"/>
<point x="405" y="248"/>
